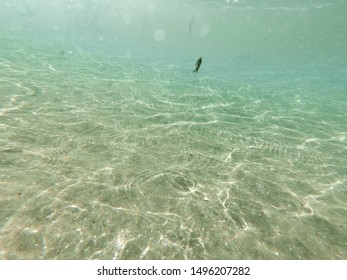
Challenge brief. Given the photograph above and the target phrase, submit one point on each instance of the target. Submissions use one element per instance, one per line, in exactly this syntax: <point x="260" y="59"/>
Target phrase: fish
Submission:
<point x="197" y="65"/>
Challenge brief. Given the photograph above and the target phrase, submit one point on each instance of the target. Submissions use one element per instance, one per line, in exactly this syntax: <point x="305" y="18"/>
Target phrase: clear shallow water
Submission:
<point x="116" y="157"/>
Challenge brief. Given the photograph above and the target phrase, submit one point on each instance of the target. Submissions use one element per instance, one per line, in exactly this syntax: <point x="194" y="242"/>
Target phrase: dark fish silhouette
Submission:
<point x="197" y="65"/>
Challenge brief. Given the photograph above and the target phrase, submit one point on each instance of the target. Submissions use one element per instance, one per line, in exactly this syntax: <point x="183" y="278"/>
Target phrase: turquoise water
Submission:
<point x="113" y="149"/>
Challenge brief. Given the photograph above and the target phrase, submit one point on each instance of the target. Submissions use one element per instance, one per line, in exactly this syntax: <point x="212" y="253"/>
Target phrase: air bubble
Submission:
<point x="127" y="18"/>
<point x="159" y="35"/>
<point x="204" y="30"/>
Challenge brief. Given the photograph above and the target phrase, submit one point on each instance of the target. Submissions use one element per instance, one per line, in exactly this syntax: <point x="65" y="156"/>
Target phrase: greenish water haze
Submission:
<point x="111" y="148"/>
